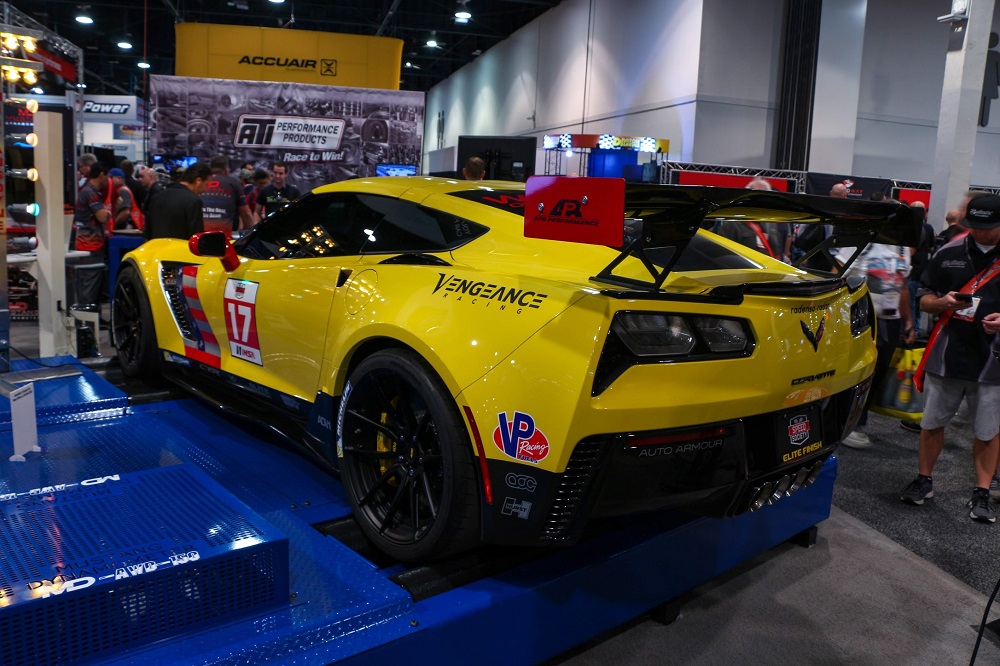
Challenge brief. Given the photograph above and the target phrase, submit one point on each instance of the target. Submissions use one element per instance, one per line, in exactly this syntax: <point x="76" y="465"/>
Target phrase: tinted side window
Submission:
<point x="349" y="224"/>
<point x="314" y="226"/>
<point x="407" y="227"/>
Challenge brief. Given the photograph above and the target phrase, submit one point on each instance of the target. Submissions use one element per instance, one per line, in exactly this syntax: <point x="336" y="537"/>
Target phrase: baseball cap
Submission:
<point x="983" y="212"/>
<point x="116" y="172"/>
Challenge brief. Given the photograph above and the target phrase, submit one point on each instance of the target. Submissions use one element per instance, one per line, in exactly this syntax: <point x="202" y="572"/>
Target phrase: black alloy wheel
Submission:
<point x="132" y="328"/>
<point x="406" y="459"/>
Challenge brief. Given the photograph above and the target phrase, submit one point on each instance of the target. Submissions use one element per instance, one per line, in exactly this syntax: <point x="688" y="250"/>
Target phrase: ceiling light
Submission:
<point x="143" y="65"/>
<point x="431" y="43"/>
<point x="84" y="19"/>
<point x="277" y="2"/>
<point x="125" y="44"/>
<point x="462" y="16"/>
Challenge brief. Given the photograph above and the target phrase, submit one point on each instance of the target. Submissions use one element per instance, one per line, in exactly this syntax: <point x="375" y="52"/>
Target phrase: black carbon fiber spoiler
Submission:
<point x="667" y="217"/>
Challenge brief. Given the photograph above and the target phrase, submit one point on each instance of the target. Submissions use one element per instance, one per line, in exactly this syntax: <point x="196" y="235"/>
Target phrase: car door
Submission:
<point x="270" y="316"/>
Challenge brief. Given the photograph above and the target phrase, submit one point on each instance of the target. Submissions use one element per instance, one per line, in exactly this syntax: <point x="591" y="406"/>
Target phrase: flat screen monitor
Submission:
<point x="395" y="169"/>
<point x="171" y="162"/>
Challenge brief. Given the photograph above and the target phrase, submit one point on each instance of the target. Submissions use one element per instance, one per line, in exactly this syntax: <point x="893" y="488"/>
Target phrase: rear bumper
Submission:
<point x="715" y="469"/>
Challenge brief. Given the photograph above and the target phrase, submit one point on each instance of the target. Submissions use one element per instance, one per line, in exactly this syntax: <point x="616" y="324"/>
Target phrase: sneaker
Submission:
<point x="995" y="485"/>
<point x="911" y="426"/>
<point x="920" y="488"/>
<point x="983" y="510"/>
<point x="857" y="440"/>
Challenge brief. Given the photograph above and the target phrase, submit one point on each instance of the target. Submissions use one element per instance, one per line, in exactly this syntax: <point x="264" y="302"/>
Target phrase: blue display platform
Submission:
<point x="343" y="607"/>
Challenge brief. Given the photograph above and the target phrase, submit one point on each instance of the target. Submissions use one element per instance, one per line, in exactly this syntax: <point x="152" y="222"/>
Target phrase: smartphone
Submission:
<point x="967" y="298"/>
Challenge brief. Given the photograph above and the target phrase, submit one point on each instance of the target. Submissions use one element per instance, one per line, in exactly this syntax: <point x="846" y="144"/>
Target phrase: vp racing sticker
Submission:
<point x="520" y="439"/>
<point x="240" y="306"/>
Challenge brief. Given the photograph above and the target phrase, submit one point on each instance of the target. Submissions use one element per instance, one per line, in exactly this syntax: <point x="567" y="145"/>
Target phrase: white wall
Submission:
<point x="704" y="74"/>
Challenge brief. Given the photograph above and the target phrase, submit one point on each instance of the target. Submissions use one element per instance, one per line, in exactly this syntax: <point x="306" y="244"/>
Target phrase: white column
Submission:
<point x="959" y="114"/>
<point x="52" y="230"/>
<point x="838" y="81"/>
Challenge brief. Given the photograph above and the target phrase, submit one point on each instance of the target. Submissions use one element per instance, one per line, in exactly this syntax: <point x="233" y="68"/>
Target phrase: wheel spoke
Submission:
<point x="389" y="473"/>
<point x="427" y="492"/>
<point x="381" y="427"/>
<point x="390" y="512"/>
<point x="386" y="402"/>
<point x="414" y="508"/>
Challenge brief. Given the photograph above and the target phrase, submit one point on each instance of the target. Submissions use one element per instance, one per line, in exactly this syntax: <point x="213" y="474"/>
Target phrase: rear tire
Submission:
<point x="132" y="327"/>
<point x="406" y="460"/>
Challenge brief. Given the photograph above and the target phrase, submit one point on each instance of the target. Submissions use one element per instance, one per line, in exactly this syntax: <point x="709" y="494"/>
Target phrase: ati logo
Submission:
<point x="798" y="430"/>
<point x="520" y="439"/>
<point x="567" y="208"/>
<point x="511" y="507"/>
<point x="255" y="131"/>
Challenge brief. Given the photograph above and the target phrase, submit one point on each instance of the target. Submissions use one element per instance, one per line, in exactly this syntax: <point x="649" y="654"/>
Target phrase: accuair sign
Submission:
<point x="275" y="54"/>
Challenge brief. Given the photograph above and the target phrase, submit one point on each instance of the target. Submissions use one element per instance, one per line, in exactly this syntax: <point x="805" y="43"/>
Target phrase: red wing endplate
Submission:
<point x="577" y="210"/>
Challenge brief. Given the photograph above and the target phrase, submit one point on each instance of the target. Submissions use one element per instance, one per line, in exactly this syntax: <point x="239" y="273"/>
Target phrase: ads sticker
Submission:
<point x="240" y="305"/>
<point x="520" y="439"/>
<point x="798" y="430"/>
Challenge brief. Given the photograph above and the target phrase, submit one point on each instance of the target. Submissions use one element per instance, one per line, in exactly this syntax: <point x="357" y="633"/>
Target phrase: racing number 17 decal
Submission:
<point x="240" y="304"/>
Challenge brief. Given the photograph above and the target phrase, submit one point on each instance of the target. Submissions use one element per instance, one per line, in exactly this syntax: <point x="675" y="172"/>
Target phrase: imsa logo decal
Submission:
<point x="240" y="304"/>
<point x="520" y="439"/>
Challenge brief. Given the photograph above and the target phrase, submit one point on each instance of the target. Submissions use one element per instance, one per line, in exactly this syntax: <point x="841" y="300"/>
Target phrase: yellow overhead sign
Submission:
<point x="277" y="54"/>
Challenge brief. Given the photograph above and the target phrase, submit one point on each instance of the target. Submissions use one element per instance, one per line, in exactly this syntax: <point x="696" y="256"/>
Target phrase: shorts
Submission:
<point x="942" y="397"/>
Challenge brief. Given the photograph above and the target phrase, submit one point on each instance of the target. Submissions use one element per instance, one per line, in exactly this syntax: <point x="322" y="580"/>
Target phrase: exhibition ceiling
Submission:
<point x="149" y="27"/>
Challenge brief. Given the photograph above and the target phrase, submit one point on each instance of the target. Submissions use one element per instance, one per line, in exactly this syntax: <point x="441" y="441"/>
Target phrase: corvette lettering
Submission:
<point x="488" y="292"/>
<point x="274" y="61"/>
<point x="813" y="378"/>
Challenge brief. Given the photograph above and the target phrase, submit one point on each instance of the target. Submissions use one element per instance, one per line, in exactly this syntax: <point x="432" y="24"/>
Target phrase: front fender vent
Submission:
<point x="173" y="291"/>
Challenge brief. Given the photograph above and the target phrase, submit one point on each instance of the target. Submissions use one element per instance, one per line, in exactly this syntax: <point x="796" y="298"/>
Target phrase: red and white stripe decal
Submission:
<point x="206" y="348"/>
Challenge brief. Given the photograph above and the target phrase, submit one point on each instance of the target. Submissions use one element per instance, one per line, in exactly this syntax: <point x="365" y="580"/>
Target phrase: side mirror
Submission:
<point x="214" y="244"/>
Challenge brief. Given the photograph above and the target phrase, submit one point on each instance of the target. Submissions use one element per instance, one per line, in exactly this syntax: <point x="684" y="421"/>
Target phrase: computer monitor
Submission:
<point x="395" y="169"/>
<point x="170" y="162"/>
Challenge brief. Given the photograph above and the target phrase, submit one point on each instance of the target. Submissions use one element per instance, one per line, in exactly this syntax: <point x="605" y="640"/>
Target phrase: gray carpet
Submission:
<point x="856" y="597"/>
<point x="868" y="486"/>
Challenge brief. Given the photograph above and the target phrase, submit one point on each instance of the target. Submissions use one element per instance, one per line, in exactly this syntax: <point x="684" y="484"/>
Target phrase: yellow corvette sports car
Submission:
<point x="472" y="384"/>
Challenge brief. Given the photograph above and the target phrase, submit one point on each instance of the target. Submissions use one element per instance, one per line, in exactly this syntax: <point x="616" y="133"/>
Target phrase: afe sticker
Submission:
<point x="520" y="439"/>
<point x="240" y="308"/>
<point x="798" y="430"/>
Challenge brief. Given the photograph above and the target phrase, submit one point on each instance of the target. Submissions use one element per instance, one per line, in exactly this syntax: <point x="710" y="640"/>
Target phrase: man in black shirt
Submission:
<point x="223" y="205"/>
<point x="277" y="194"/>
<point x="176" y="211"/>
<point x="961" y="285"/>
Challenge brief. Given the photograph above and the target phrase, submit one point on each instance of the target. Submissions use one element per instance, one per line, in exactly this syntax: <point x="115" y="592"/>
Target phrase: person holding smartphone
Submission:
<point x="961" y="286"/>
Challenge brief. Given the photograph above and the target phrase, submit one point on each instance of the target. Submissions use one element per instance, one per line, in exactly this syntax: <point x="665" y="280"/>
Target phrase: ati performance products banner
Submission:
<point x="324" y="133"/>
<point x="857" y="187"/>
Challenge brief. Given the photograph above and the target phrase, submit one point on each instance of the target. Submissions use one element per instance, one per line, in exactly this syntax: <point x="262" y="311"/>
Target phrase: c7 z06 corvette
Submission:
<point x="470" y="383"/>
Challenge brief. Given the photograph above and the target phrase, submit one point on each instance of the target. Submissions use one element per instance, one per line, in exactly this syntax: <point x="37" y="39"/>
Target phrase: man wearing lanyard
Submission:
<point x="961" y="285"/>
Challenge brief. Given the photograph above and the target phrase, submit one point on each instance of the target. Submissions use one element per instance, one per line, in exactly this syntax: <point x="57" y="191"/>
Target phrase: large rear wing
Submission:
<point x="667" y="217"/>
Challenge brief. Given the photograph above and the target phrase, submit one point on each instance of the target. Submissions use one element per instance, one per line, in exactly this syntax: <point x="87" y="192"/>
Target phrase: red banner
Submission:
<point x="54" y="63"/>
<point x="727" y="180"/>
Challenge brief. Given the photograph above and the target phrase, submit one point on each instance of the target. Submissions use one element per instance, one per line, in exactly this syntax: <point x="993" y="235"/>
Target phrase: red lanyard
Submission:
<point x="972" y="285"/>
<point x="763" y="239"/>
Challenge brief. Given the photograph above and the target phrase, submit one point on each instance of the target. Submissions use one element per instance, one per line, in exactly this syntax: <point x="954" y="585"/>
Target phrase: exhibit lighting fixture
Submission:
<point x="30" y="139"/>
<point x="277" y="2"/>
<point x="26" y="174"/>
<point x="84" y="19"/>
<point x="9" y="42"/>
<point x="13" y="36"/>
<point x="462" y="16"/>
<point x="30" y="78"/>
<point x="29" y="208"/>
<point x="143" y="65"/>
<point x="21" y="103"/>
<point x="125" y="45"/>
<point x="38" y="91"/>
<point x="432" y="43"/>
